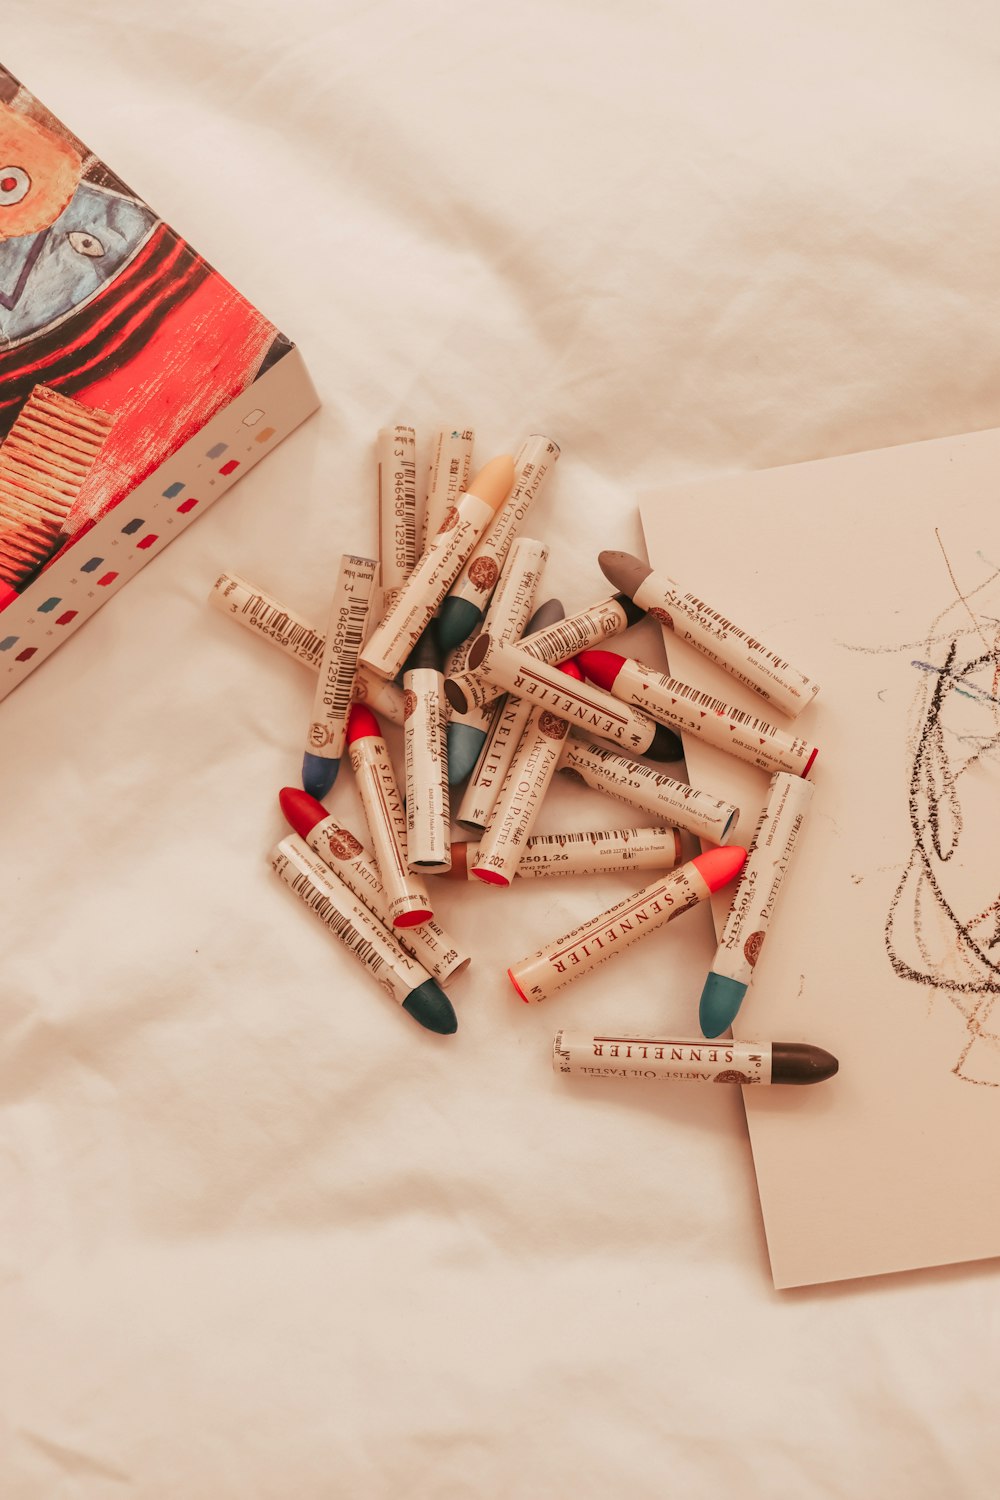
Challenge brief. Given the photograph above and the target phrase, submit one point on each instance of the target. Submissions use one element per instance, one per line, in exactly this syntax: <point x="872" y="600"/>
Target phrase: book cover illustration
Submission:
<point x="118" y="343"/>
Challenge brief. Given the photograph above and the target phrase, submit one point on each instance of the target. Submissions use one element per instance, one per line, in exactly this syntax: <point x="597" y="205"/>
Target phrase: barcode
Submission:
<point x="357" y="614"/>
<point x="324" y="908"/>
<point x="705" y="700"/>
<point x="564" y="639"/>
<point x="408" y="474"/>
<point x="634" y="768"/>
<point x="595" y="836"/>
<point x="698" y="607"/>
<point x="277" y="622"/>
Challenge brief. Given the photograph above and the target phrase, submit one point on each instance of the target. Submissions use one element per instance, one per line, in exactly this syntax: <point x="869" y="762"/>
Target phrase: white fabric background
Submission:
<point x="264" y="1237"/>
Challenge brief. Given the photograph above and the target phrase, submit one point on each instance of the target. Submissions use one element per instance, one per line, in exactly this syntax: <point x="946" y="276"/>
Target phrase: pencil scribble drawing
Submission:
<point x="943" y="925"/>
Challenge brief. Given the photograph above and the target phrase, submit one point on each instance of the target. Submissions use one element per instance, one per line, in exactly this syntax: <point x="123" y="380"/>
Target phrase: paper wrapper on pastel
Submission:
<point x="348" y="858"/>
<point x="397" y="509"/>
<point x="520" y="799"/>
<point x="451" y="461"/>
<point x="508" y="667"/>
<point x="513" y="598"/>
<point x="508" y="614"/>
<point x="480" y="573"/>
<point x="268" y="618"/>
<point x="428" y="812"/>
<point x="599" y="851"/>
<point x="345" y="633"/>
<point x="348" y="918"/>
<point x="609" y="933"/>
<point x="413" y="605"/>
<point x="690" y="709"/>
<point x="726" y="644"/>
<point x="505" y="723"/>
<point x="383" y="808"/>
<point x="578" y="632"/>
<point x="642" y="786"/>
<point x="680" y="1061"/>
<point x="756" y="893"/>
<point x="273" y="621"/>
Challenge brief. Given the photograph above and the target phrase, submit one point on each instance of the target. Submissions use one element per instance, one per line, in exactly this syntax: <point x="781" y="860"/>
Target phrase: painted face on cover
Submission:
<point x="61" y="239"/>
<point x="39" y="173"/>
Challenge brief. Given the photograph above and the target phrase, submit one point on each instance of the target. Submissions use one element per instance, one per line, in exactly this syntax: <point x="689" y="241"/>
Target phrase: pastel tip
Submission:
<point x="301" y="809"/>
<point x="613" y="559"/>
<point x="798" y="1062"/>
<point x="721" y="999"/>
<point x="545" y="615"/>
<point x="464" y="744"/>
<point x="456" y="621"/>
<point x="491" y="877"/>
<point x="623" y="571"/>
<point x="717" y="867"/>
<point x="413" y="918"/>
<point x="493" y="482"/>
<point x="633" y="614"/>
<point x="429" y="1005"/>
<point x="457" y="701"/>
<point x="601" y="667"/>
<point x="513" y="980"/>
<point x="319" y="772"/>
<point x="459" y="866"/>
<point x="666" y="746"/>
<point x="362" y="724"/>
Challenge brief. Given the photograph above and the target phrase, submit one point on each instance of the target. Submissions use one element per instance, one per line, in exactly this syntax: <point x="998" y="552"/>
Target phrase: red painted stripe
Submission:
<point x="129" y="301"/>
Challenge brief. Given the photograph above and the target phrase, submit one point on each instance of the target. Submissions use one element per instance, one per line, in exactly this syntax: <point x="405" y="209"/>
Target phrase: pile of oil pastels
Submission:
<point x="496" y="690"/>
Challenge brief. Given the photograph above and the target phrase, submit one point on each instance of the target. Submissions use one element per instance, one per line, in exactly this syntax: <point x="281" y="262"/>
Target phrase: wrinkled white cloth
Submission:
<point x="263" y="1236"/>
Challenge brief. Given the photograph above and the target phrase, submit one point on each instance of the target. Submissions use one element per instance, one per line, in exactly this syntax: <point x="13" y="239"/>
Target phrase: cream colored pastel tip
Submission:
<point x="493" y="482"/>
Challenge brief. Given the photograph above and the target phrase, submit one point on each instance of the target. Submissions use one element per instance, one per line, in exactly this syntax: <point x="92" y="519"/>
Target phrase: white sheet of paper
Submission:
<point x="878" y="575"/>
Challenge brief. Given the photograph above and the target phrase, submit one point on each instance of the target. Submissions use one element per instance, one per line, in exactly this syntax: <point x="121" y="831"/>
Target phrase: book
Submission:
<point x="136" y="384"/>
